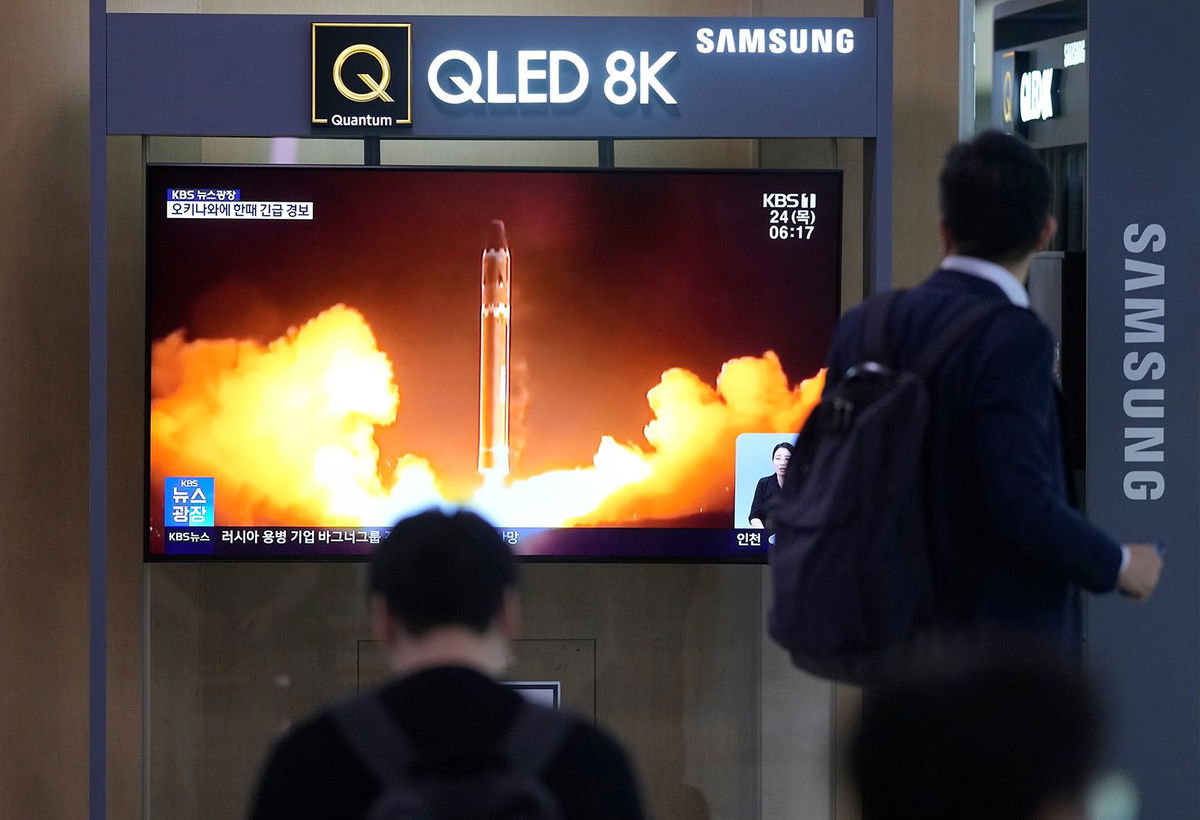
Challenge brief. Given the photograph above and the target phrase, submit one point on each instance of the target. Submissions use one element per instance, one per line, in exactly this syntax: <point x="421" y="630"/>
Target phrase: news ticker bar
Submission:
<point x="565" y="542"/>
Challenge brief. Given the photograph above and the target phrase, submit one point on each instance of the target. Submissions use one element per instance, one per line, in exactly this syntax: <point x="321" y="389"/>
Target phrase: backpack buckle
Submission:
<point x="870" y="369"/>
<point x="843" y="413"/>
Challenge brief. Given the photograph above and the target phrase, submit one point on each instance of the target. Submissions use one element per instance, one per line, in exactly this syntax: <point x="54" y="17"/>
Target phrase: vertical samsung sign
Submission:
<point x="1143" y="375"/>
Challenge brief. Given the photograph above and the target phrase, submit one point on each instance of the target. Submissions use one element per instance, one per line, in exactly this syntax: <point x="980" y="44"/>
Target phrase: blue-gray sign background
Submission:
<point x="1143" y="171"/>
<point x="249" y="75"/>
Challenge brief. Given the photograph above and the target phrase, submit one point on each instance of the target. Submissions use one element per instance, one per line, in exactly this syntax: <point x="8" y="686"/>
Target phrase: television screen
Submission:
<point x="601" y="362"/>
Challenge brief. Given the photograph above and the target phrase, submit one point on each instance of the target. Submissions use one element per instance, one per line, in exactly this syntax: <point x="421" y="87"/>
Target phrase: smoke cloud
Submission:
<point x="287" y="429"/>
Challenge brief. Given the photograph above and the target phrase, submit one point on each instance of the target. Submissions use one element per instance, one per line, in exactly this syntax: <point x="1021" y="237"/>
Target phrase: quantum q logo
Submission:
<point x="378" y="88"/>
<point x="362" y="75"/>
<point x="1007" y="97"/>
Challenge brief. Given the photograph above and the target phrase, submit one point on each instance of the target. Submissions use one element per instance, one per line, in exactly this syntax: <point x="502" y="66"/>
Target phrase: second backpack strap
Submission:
<point x="536" y="736"/>
<point x="375" y="737"/>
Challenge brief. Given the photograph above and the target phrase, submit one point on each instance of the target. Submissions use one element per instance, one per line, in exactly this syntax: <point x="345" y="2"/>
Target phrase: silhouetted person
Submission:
<point x="444" y="606"/>
<point x="1005" y="735"/>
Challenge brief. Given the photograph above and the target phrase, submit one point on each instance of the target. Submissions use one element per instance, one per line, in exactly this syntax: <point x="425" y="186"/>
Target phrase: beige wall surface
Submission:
<point x="667" y="657"/>
<point x="44" y="410"/>
<point x="925" y="125"/>
<point x="718" y="722"/>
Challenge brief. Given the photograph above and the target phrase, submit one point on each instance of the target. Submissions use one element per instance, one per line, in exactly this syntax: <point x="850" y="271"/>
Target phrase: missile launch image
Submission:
<point x="389" y="353"/>
<point x="495" y="314"/>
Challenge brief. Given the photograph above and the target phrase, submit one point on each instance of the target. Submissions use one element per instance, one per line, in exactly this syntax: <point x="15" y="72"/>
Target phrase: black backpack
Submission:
<point x="512" y="790"/>
<point x="850" y="568"/>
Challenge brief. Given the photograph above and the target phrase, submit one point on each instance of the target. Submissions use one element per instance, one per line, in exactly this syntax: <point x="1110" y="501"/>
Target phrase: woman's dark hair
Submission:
<point x="783" y="445"/>
<point x="995" y="196"/>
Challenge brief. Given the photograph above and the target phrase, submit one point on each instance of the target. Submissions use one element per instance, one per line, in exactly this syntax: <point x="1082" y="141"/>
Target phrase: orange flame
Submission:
<point x="287" y="430"/>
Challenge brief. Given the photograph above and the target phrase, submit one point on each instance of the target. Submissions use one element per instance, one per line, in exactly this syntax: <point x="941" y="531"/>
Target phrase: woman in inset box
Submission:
<point x="769" y="486"/>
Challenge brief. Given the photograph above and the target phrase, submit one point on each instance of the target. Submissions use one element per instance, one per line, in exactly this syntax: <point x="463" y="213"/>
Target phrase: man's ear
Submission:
<point x="1049" y="229"/>
<point x="383" y="628"/>
<point x="508" y="619"/>
<point x="947" y="239"/>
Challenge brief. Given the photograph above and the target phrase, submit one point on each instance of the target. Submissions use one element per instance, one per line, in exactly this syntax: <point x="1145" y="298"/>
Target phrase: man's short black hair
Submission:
<point x="435" y="569"/>
<point x="995" y="196"/>
<point x="995" y="735"/>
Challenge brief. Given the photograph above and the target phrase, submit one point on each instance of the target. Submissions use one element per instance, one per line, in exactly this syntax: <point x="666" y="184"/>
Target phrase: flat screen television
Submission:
<point x="598" y="361"/>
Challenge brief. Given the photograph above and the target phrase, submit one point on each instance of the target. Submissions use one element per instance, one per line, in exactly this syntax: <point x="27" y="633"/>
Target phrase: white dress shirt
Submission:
<point x="993" y="273"/>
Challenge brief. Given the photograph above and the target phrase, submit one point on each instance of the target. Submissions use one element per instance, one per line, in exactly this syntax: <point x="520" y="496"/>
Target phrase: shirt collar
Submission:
<point x="993" y="273"/>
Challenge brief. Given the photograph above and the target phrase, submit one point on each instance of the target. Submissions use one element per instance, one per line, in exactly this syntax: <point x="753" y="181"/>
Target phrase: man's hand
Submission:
<point x="1140" y="575"/>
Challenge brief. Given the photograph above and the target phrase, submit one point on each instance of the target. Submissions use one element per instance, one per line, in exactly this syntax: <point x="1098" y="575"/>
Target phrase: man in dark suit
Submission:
<point x="1008" y="551"/>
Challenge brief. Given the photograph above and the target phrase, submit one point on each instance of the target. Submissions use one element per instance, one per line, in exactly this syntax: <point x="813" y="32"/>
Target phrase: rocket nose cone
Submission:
<point x="496" y="239"/>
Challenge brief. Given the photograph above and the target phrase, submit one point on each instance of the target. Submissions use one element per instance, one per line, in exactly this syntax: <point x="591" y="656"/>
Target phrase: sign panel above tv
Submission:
<point x="497" y="77"/>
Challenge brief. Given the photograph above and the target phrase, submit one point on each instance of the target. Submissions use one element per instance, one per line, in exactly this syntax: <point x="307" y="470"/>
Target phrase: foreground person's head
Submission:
<point x="1001" y="735"/>
<point x="443" y="592"/>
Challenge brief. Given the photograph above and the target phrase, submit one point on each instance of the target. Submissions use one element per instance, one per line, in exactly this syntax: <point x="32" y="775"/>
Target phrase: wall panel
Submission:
<point x="926" y="125"/>
<point x="126" y="443"/>
<point x="44" y="412"/>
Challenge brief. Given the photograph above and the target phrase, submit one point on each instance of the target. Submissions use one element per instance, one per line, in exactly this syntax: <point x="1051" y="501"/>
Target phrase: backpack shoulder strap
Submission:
<point x="951" y="334"/>
<point x="876" y="318"/>
<point x="375" y="737"/>
<point x="536" y="736"/>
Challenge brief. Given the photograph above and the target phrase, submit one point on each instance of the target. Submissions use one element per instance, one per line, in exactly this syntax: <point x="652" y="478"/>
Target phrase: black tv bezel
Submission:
<point x="165" y="558"/>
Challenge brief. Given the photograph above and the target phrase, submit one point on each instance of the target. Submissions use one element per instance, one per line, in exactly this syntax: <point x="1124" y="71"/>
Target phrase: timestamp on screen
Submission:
<point x="790" y="231"/>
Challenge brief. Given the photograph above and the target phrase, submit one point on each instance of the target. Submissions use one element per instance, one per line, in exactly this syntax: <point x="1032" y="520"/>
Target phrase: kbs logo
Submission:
<point x="189" y="501"/>
<point x="789" y="200"/>
<point x="362" y="75"/>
